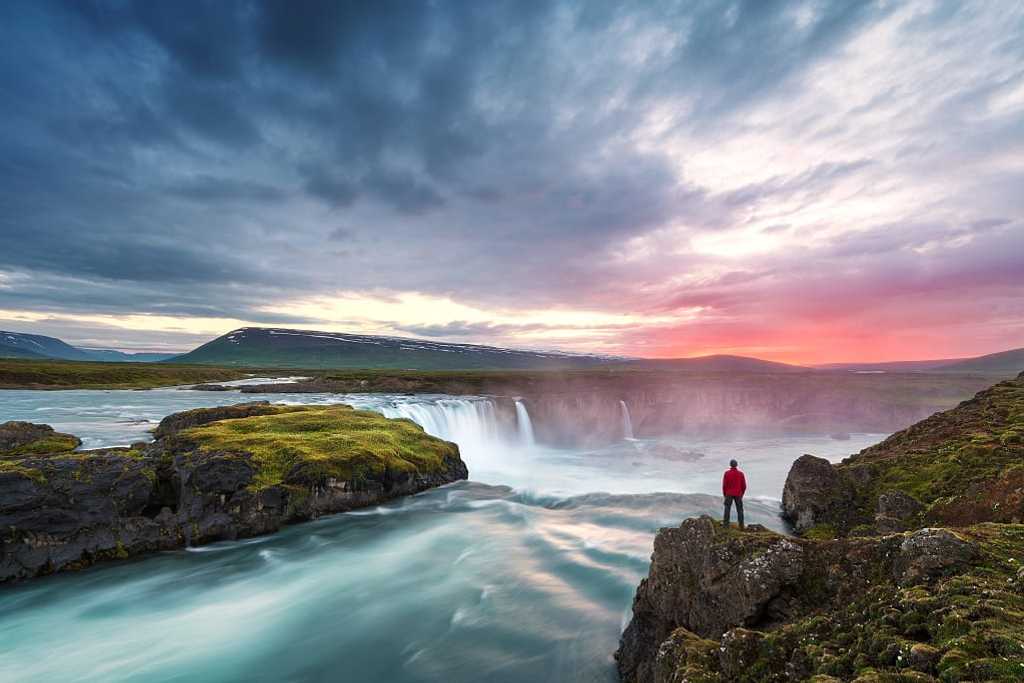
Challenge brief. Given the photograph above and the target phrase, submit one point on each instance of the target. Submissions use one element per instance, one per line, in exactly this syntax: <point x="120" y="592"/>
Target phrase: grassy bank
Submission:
<point x="56" y="374"/>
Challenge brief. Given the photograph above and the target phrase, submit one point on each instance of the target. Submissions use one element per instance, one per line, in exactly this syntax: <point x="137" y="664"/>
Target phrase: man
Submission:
<point x="734" y="485"/>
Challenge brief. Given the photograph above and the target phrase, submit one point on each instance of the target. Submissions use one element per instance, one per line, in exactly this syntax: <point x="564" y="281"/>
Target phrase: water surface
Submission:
<point x="525" y="573"/>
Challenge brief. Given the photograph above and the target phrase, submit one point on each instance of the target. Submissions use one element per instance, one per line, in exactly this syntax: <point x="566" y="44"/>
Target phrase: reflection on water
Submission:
<point x="527" y="577"/>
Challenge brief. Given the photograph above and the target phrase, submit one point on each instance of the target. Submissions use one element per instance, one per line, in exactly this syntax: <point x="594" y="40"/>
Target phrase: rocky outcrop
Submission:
<point x="25" y="438"/>
<point x="873" y="589"/>
<point x="816" y="493"/>
<point x="201" y="416"/>
<point x="724" y="605"/>
<point x="68" y="510"/>
<point x="960" y="467"/>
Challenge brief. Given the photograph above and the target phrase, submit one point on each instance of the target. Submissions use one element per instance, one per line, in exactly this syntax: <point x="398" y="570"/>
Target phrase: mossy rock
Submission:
<point x="300" y="445"/>
<point x="22" y="439"/>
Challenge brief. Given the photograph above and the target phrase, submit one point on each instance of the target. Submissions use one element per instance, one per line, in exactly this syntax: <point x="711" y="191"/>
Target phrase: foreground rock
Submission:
<point x="724" y="605"/>
<point x="955" y="468"/>
<point x="875" y="588"/>
<point x="212" y="474"/>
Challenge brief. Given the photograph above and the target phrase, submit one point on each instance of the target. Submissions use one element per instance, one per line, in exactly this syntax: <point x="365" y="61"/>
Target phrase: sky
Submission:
<point x="799" y="181"/>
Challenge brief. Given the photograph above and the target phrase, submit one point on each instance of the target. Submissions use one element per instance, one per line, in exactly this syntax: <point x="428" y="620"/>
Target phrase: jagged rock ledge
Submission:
<point x="874" y="588"/>
<point x="925" y="605"/>
<point x="212" y="474"/>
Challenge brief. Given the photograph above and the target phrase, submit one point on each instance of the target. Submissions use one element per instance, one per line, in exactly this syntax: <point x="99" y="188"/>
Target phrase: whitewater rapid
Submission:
<point x="524" y="573"/>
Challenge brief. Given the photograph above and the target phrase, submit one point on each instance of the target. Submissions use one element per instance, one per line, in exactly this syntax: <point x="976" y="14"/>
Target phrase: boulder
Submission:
<point x="928" y="553"/>
<point x="15" y="437"/>
<point x="738" y="651"/>
<point x="816" y="493"/>
<point x="896" y="511"/>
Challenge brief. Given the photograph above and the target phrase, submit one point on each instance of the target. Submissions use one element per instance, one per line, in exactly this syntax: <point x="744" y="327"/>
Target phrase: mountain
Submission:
<point x="717" y="363"/>
<point x="37" y="346"/>
<point x="284" y="348"/>
<point x="19" y="345"/>
<point x="1003" y="363"/>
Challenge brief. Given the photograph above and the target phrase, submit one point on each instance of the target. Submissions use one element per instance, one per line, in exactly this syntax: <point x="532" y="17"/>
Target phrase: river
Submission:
<point x="524" y="573"/>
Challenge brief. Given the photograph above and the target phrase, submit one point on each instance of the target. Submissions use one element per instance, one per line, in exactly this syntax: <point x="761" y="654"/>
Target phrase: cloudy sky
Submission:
<point x="802" y="181"/>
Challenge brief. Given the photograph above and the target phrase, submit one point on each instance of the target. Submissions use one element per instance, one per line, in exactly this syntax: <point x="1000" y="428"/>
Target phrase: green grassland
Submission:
<point x="314" y="443"/>
<point x="57" y="374"/>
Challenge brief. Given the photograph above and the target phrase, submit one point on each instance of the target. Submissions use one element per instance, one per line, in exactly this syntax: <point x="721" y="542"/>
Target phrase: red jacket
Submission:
<point x="734" y="483"/>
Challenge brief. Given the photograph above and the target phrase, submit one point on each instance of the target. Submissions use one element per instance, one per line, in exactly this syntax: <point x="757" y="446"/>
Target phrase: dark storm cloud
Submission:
<point x="207" y="157"/>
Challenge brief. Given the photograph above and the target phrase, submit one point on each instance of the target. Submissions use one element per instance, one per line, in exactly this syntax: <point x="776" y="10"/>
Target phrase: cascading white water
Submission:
<point x="524" y="424"/>
<point x="470" y="423"/>
<point x="627" y="424"/>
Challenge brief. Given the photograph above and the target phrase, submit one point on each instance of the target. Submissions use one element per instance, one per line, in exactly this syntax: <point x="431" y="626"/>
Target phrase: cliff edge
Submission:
<point x="212" y="474"/>
<point x="907" y="567"/>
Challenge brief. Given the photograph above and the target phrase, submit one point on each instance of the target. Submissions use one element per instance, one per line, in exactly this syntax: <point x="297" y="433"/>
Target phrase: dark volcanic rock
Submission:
<point x="896" y="511"/>
<point x="815" y="493"/>
<point x="706" y="579"/>
<point x="18" y="435"/>
<point x="210" y="387"/>
<point x="724" y="605"/>
<point x="66" y="511"/>
<point x="201" y="416"/>
<point x="927" y="553"/>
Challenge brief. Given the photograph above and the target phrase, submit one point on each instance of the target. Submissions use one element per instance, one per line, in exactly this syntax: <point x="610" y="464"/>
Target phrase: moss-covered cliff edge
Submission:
<point x="908" y="567"/>
<point x="211" y="474"/>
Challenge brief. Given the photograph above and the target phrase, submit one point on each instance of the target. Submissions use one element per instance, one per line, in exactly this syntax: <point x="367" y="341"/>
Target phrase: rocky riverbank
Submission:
<point x="211" y="474"/>
<point x="908" y="567"/>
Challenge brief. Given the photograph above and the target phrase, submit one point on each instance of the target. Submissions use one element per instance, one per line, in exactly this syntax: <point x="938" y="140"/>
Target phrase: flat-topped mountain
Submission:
<point x="279" y="347"/>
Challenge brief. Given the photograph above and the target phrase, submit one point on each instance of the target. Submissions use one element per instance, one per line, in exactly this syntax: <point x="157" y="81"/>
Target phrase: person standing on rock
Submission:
<point x="734" y="485"/>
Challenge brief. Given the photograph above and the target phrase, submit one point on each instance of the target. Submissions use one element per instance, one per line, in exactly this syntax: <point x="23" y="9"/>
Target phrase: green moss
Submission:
<point x="14" y="467"/>
<point x="52" y="444"/>
<point x="325" y="442"/>
<point x="960" y="452"/>
<point x="820" y="532"/>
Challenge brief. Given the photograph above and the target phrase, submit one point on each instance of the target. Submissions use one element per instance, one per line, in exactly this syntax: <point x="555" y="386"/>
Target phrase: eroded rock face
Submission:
<point x="66" y="511"/>
<point x="723" y="605"/>
<point x="706" y="579"/>
<point x="815" y="493"/>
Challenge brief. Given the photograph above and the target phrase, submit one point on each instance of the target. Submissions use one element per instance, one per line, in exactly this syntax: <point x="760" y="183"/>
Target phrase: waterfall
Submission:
<point x="470" y="423"/>
<point x="524" y="424"/>
<point x="627" y="424"/>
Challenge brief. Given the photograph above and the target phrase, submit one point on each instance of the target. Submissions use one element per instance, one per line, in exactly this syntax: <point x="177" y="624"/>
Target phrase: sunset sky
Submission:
<point x="799" y="181"/>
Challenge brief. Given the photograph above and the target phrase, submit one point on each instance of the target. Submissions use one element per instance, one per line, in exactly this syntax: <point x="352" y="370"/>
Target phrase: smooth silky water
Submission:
<point x="524" y="573"/>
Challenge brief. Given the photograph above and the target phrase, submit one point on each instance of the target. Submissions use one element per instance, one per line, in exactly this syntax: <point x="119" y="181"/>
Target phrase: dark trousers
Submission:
<point x="729" y="500"/>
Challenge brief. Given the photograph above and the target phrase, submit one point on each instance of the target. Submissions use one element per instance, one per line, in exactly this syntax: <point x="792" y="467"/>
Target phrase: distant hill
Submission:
<point x="37" y="346"/>
<point x="19" y="345"/>
<point x="718" y="363"/>
<point x="892" y="366"/>
<point x="111" y="356"/>
<point x="286" y="348"/>
<point x="1003" y="363"/>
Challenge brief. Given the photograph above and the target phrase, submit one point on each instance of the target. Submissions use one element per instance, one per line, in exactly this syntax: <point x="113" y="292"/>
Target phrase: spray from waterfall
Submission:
<point x="526" y="437"/>
<point x="627" y="424"/>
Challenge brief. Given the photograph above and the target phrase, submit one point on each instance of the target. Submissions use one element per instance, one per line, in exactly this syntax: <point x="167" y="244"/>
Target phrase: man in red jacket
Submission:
<point x="734" y="485"/>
